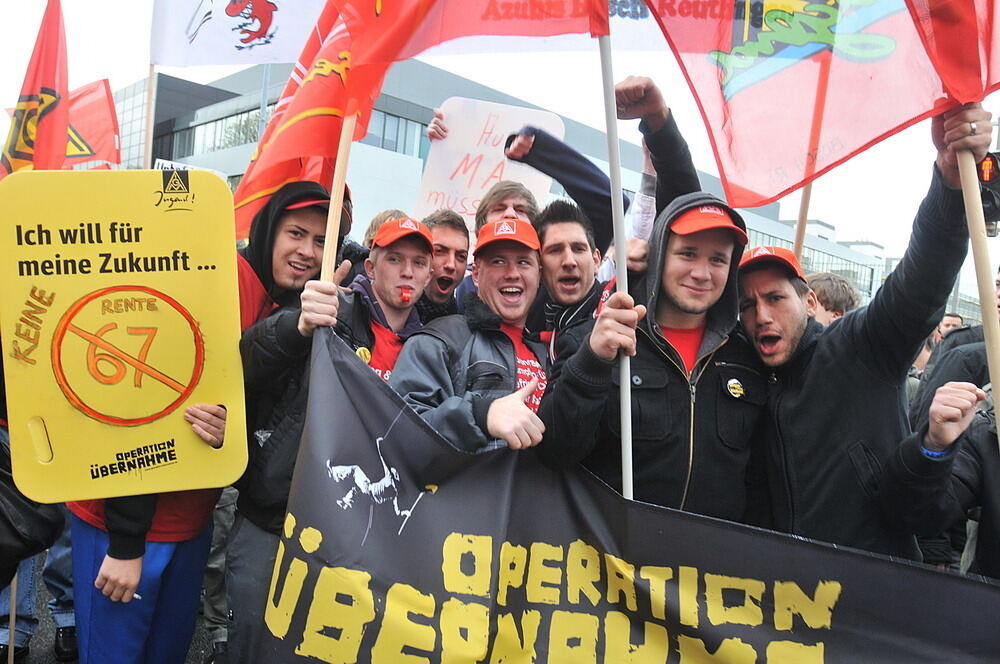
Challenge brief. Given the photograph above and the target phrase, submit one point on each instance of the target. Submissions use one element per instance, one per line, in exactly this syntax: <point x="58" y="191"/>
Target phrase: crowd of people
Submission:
<point x="759" y="394"/>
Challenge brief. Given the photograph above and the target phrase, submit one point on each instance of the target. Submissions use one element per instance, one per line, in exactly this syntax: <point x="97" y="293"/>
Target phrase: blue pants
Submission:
<point x="156" y="629"/>
<point x="58" y="578"/>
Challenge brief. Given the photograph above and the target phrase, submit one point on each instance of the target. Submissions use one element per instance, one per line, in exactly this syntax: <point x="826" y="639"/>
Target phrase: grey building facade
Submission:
<point x="216" y="126"/>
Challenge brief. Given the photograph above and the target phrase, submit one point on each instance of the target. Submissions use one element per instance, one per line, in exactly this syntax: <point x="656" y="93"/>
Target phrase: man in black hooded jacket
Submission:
<point x="287" y="241"/>
<point x="697" y="389"/>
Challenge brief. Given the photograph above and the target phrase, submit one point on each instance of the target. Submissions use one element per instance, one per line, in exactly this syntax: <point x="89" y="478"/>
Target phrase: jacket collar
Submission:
<point x="807" y="344"/>
<point x="478" y="316"/>
<point x="362" y="285"/>
<point x="429" y="310"/>
<point x="559" y="317"/>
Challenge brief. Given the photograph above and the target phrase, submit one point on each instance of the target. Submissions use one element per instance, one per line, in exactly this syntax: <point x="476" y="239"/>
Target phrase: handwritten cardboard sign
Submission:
<point x="119" y="309"/>
<point x="463" y="166"/>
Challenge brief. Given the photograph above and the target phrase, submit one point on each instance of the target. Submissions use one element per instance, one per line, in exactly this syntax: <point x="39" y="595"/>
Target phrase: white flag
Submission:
<point x="230" y="32"/>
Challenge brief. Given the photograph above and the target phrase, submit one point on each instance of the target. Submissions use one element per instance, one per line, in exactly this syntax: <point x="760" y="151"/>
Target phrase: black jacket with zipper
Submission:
<point x="276" y="377"/>
<point x="692" y="435"/>
<point x="837" y="407"/>
<point x="926" y="495"/>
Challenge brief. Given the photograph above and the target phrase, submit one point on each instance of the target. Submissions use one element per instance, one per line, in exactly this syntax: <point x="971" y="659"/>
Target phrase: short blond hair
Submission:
<point x="836" y="293"/>
<point x="376" y="223"/>
<point x="500" y="191"/>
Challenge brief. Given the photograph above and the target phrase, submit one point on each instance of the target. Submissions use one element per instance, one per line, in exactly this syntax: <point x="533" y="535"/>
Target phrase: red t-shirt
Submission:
<point x="385" y="351"/>
<point x="686" y="341"/>
<point x="528" y="366"/>
<point x="179" y="516"/>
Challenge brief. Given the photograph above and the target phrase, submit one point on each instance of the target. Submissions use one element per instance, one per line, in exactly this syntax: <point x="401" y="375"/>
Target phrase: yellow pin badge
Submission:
<point x="119" y="311"/>
<point x="735" y="388"/>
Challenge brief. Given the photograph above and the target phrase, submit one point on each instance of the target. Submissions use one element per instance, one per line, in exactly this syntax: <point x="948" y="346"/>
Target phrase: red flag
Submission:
<point x="93" y="125"/>
<point x="344" y="63"/>
<point x="301" y="139"/>
<point x="788" y="90"/>
<point x="387" y="31"/>
<point x="959" y="36"/>
<point x="38" y="132"/>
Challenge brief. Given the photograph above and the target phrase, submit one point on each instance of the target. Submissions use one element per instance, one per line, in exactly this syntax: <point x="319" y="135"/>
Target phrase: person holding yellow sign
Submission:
<point x="151" y="548"/>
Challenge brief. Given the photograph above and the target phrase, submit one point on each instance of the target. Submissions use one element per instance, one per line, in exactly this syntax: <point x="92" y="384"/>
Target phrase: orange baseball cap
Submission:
<point x="778" y="255"/>
<point x="395" y="229"/>
<point x="706" y="217"/>
<point x="508" y="228"/>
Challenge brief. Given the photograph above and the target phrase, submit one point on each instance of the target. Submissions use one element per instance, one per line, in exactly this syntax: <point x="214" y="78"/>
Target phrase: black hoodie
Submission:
<point x="692" y="436"/>
<point x="261" y="240"/>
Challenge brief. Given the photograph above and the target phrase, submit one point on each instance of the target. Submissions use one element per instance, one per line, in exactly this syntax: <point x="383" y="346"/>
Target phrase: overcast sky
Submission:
<point x="872" y="197"/>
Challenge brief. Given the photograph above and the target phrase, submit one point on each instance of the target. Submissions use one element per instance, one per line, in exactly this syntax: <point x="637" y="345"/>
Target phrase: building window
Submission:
<point x="389" y="137"/>
<point x="397" y="134"/>
<point x="813" y="260"/>
<point x="375" y="127"/>
<point x="386" y="131"/>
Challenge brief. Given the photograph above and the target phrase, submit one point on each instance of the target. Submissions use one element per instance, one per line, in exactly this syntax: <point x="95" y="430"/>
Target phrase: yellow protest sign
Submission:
<point x="119" y="310"/>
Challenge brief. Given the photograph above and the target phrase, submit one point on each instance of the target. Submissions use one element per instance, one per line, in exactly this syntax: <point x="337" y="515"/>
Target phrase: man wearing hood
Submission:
<point x="285" y="248"/>
<point x="571" y="243"/>
<point x="697" y="389"/>
<point x="287" y="241"/>
<point x="372" y="317"/>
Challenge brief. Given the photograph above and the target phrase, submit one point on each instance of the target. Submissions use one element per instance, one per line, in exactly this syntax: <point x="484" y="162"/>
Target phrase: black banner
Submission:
<point x="399" y="548"/>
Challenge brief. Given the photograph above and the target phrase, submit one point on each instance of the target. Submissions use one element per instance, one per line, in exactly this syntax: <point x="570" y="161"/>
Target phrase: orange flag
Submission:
<point x="38" y="132"/>
<point x="93" y="125"/>
<point x="300" y="142"/>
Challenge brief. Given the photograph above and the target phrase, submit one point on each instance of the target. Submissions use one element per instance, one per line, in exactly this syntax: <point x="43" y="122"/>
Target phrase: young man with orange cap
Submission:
<point x="478" y="377"/>
<point x="697" y="389"/>
<point x="836" y="394"/>
<point x="379" y="311"/>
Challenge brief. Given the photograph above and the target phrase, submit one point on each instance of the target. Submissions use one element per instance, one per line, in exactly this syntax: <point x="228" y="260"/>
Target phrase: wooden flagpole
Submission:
<point x="981" y="256"/>
<point x="337" y="191"/>
<point x="621" y="255"/>
<point x="802" y="222"/>
<point x="814" y="133"/>
<point x="147" y="149"/>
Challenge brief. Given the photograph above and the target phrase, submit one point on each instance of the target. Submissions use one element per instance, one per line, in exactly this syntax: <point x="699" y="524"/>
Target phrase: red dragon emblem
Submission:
<point x="258" y="14"/>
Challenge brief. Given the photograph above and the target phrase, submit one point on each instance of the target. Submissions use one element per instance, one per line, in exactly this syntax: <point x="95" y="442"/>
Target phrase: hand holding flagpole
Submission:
<point x="621" y="257"/>
<point x="964" y="134"/>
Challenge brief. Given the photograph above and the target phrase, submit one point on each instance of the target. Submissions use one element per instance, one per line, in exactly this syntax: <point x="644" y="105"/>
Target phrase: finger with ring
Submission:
<point x="972" y="127"/>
